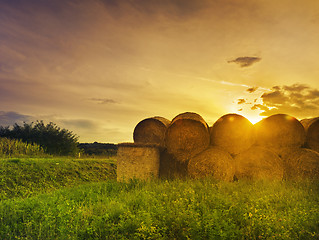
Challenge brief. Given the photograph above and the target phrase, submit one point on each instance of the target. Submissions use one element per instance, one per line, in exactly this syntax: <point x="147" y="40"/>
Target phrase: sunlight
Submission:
<point x="253" y="119"/>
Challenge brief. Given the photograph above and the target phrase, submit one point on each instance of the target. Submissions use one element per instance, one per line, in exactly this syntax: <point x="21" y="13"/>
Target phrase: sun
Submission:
<point x="253" y="118"/>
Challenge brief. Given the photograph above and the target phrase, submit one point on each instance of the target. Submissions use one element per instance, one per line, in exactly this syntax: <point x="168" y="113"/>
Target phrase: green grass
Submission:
<point x="176" y="209"/>
<point x="14" y="147"/>
<point x="25" y="177"/>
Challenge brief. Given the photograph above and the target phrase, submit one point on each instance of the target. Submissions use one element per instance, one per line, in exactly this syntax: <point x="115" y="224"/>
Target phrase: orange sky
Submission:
<point x="99" y="67"/>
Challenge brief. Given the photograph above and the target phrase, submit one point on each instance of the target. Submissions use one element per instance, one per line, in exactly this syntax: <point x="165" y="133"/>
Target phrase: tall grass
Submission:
<point x="25" y="177"/>
<point x="167" y="210"/>
<point x="13" y="147"/>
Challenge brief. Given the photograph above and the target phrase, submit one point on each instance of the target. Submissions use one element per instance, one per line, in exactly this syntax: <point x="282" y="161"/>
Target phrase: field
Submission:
<point x="64" y="198"/>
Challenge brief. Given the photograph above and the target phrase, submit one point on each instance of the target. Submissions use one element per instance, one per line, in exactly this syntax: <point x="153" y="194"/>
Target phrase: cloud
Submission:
<point x="245" y="61"/>
<point x="299" y="100"/>
<point x="103" y="100"/>
<point x="79" y="123"/>
<point x="10" y="118"/>
<point x="241" y="101"/>
<point x="252" y="89"/>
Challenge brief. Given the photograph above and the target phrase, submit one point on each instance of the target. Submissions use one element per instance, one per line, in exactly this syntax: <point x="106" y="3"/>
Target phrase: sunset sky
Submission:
<point x="98" y="67"/>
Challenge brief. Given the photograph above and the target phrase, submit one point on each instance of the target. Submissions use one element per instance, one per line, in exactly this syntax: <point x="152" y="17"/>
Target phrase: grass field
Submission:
<point x="80" y="199"/>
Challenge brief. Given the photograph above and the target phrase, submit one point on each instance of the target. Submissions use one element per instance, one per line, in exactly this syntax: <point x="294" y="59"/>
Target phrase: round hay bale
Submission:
<point x="301" y="164"/>
<point x="213" y="162"/>
<point x="279" y="131"/>
<point x="258" y="163"/>
<point x="186" y="136"/>
<point x="312" y="132"/>
<point x="151" y="130"/>
<point x="232" y="132"/>
<point x="170" y="168"/>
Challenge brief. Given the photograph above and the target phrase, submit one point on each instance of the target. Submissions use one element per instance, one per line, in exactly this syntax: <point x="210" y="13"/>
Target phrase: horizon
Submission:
<point x="98" y="68"/>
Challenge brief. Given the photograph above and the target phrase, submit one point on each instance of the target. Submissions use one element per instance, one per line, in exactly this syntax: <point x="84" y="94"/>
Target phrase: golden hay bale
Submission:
<point x="214" y="162"/>
<point x="279" y="131"/>
<point x="186" y="136"/>
<point x="302" y="163"/>
<point x="151" y="130"/>
<point x="139" y="161"/>
<point x="312" y="132"/>
<point x="232" y="132"/>
<point x="170" y="168"/>
<point x="258" y="163"/>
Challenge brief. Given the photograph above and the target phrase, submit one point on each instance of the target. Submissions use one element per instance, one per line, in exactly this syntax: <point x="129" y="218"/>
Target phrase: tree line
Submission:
<point x="53" y="139"/>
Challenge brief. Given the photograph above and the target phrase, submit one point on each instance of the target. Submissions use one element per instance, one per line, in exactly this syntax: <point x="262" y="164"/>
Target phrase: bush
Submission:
<point x="50" y="137"/>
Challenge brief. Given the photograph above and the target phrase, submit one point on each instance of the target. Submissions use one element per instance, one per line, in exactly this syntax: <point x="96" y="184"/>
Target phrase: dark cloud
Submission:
<point x="103" y="100"/>
<point x="245" y="61"/>
<point x="299" y="100"/>
<point x="275" y="97"/>
<point x="10" y="118"/>
<point x="295" y="87"/>
<point x="241" y="101"/>
<point x="252" y="89"/>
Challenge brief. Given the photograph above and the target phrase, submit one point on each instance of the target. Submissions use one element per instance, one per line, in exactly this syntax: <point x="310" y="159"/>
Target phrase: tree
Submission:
<point x="53" y="139"/>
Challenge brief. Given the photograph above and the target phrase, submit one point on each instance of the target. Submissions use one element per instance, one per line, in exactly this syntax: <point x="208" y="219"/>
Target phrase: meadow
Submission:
<point x="65" y="198"/>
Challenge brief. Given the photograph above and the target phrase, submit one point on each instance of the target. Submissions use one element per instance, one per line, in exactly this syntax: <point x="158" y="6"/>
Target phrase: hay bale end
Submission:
<point x="140" y="161"/>
<point x="258" y="163"/>
<point x="186" y="136"/>
<point x="213" y="162"/>
<point x="232" y="132"/>
<point x="151" y="130"/>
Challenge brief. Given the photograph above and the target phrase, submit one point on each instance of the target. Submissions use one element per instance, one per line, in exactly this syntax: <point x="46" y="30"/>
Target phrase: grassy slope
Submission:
<point x="166" y="210"/>
<point x="25" y="177"/>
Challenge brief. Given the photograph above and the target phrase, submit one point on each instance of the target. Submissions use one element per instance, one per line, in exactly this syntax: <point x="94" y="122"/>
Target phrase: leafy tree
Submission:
<point x="53" y="139"/>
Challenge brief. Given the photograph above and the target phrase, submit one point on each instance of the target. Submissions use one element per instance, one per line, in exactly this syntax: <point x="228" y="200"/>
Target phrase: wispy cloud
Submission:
<point x="103" y="100"/>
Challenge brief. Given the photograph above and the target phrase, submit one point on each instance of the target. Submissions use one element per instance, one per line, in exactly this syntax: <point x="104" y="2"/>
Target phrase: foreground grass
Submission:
<point x="25" y="177"/>
<point x="166" y="210"/>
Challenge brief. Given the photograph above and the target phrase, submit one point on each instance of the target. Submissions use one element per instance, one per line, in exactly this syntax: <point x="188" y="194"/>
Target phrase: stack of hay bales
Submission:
<point x="186" y="136"/>
<point x="312" y="133"/>
<point x="213" y="162"/>
<point x="271" y="149"/>
<point x="140" y="161"/>
<point x="233" y="133"/>
<point x="258" y="163"/>
<point x="280" y="132"/>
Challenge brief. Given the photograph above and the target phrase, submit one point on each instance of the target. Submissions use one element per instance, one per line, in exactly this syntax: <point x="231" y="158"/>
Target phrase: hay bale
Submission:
<point x="214" y="162"/>
<point x="186" y="136"/>
<point x="301" y="163"/>
<point x="232" y="132"/>
<point x="151" y="130"/>
<point x="278" y="132"/>
<point x="170" y="168"/>
<point x="139" y="161"/>
<point x="311" y="126"/>
<point x="258" y="163"/>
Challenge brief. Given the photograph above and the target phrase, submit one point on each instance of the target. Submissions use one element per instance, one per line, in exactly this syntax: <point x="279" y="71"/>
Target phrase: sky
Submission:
<point x="98" y="67"/>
